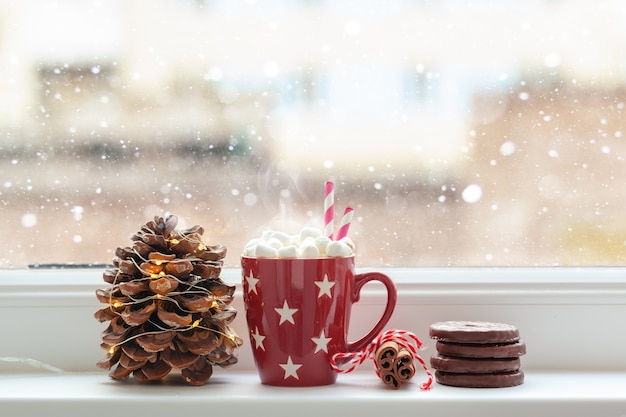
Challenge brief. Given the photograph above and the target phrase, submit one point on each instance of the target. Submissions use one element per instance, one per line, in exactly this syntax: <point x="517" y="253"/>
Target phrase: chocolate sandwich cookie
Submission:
<point x="489" y="350"/>
<point x="496" y="380"/>
<point x="477" y="354"/>
<point x="474" y="332"/>
<point x="473" y="366"/>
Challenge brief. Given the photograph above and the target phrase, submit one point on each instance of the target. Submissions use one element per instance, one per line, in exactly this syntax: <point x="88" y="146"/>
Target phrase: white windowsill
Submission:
<point x="233" y="394"/>
<point x="570" y="318"/>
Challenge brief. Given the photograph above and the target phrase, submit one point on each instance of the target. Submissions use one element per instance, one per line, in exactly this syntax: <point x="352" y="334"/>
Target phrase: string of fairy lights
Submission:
<point x="152" y="268"/>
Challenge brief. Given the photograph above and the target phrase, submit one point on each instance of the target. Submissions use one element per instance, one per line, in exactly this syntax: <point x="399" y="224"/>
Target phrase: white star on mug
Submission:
<point x="252" y="281"/>
<point x="286" y="313"/>
<point x="291" y="369"/>
<point x="324" y="287"/>
<point x="321" y="343"/>
<point x="258" y="339"/>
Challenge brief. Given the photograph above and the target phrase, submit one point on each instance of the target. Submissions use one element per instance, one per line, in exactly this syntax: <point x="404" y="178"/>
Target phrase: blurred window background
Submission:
<point x="463" y="133"/>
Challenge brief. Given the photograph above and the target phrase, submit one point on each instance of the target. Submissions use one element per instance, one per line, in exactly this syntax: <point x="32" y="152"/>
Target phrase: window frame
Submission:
<point x="550" y="305"/>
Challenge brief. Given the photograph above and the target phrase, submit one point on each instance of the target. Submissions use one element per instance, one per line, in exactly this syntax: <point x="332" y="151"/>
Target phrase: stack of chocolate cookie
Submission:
<point x="477" y="354"/>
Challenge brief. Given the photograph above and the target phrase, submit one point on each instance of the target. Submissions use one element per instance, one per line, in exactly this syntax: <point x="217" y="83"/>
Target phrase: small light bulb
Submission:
<point x="214" y="304"/>
<point x="174" y="241"/>
<point x="118" y="304"/>
<point x="196" y="323"/>
<point x="112" y="350"/>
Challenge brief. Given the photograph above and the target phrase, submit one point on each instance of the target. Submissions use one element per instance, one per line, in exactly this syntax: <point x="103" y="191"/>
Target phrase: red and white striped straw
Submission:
<point x="345" y="223"/>
<point x="329" y="209"/>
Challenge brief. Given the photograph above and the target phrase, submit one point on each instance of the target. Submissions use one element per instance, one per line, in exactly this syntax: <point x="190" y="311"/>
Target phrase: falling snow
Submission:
<point x="520" y="147"/>
<point x="507" y="148"/>
<point x="472" y="193"/>
<point x="29" y="220"/>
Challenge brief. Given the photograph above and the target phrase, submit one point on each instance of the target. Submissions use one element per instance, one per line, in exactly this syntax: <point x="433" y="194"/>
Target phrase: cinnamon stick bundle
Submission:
<point x="394" y="364"/>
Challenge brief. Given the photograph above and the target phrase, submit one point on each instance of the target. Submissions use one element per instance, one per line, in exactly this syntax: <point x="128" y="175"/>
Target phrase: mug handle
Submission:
<point x="392" y="296"/>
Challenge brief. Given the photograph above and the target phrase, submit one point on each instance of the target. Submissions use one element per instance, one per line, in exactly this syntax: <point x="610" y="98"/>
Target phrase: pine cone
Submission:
<point x="167" y="306"/>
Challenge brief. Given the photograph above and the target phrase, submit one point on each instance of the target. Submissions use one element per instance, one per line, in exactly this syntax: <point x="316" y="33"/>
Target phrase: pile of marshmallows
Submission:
<point x="309" y="243"/>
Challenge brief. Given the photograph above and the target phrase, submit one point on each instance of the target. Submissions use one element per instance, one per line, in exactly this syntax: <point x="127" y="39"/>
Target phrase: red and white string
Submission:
<point x="405" y="339"/>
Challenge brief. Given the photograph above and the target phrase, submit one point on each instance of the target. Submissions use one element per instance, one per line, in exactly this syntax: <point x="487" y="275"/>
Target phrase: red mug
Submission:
<point x="298" y="312"/>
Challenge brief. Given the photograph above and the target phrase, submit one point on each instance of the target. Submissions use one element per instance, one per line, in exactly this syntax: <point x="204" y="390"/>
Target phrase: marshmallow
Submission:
<point x="322" y="243"/>
<point x="284" y="238"/>
<point x="309" y="243"/>
<point x="309" y="232"/>
<point x="288" y="252"/>
<point x="309" y="250"/>
<point x="337" y="249"/>
<point x="250" y="247"/>
<point x="275" y="243"/>
<point x="263" y="250"/>
<point x="254" y="242"/>
<point x="348" y="242"/>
